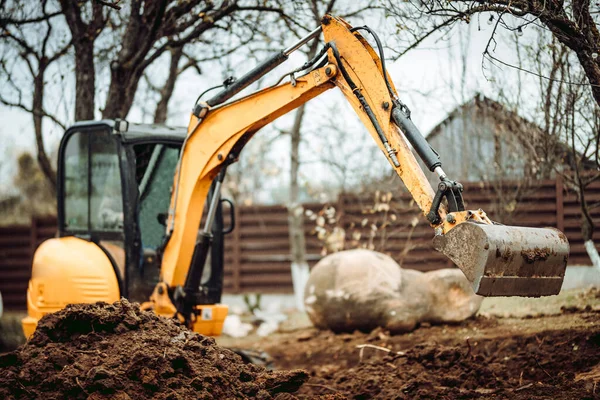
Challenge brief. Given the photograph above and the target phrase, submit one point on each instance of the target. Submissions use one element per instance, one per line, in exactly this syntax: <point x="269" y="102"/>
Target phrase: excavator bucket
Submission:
<point x="502" y="260"/>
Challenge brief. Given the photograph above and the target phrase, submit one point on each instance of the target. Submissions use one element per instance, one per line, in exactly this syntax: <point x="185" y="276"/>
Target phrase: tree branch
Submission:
<point x="109" y="4"/>
<point x="29" y="110"/>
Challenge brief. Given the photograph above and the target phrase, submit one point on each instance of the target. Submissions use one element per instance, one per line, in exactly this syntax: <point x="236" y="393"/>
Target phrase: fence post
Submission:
<point x="560" y="204"/>
<point x="237" y="251"/>
<point x="33" y="234"/>
<point x="340" y="211"/>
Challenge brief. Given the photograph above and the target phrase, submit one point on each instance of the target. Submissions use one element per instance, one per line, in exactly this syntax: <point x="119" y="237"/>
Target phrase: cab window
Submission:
<point x="93" y="199"/>
<point x="155" y="168"/>
<point x="76" y="162"/>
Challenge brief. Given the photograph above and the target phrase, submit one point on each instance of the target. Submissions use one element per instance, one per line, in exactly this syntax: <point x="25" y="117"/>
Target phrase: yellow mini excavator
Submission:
<point x="131" y="197"/>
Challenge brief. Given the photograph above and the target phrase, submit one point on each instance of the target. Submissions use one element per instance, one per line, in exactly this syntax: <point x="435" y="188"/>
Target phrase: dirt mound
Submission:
<point x="533" y="367"/>
<point x="117" y="351"/>
<point x="544" y="357"/>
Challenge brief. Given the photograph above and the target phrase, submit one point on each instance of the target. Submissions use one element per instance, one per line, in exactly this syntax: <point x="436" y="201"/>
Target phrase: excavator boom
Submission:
<point x="218" y="131"/>
<point x="498" y="260"/>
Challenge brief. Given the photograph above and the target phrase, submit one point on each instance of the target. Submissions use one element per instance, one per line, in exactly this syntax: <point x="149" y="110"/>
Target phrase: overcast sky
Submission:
<point x="428" y="79"/>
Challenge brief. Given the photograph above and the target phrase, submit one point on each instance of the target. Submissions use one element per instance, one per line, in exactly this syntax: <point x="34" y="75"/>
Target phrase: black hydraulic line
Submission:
<point x="308" y="64"/>
<point x="381" y="55"/>
<point x="416" y="139"/>
<point x="206" y="91"/>
<point x="316" y="58"/>
<point x="358" y="94"/>
<point x="366" y="107"/>
<point x="401" y="114"/>
<point x="323" y="62"/>
<point x="246" y="80"/>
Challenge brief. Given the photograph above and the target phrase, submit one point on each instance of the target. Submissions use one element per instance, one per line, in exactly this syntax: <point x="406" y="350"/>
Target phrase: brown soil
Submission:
<point x="538" y="357"/>
<point x="102" y="351"/>
<point x="119" y="352"/>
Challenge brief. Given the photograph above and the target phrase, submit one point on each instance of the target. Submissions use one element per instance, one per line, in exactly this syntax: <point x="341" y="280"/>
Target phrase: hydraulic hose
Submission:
<point x="401" y="114"/>
<point x="366" y="107"/>
<point x="381" y="55"/>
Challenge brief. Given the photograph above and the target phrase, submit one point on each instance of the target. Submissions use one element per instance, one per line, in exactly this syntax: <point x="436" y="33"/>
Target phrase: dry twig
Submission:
<point x="372" y="346"/>
<point x="523" y="387"/>
<point x="322" y="386"/>
<point x="82" y="388"/>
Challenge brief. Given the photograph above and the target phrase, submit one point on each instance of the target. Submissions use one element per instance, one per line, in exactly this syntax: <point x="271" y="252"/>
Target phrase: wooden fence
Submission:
<point x="547" y="204"/>
<point x="17" y="244"/>
<point x="257" y="256"/>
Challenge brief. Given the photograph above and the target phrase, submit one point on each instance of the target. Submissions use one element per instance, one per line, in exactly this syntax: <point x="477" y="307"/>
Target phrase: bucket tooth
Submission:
<point x="502" y="260"/>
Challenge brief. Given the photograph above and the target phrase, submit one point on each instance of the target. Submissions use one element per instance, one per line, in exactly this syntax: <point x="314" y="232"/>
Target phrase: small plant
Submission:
<point x="328" y="229"/>
<point x="380" y="222"/>
<point x="252" y="305"/>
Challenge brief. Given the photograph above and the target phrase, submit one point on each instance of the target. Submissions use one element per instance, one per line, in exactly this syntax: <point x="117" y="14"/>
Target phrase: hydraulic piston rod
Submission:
<point x="260" y="70"/>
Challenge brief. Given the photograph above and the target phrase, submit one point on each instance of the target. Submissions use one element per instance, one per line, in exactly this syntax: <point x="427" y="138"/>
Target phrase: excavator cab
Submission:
<point x="113" y="192"/>
<point x="114" y="189"/>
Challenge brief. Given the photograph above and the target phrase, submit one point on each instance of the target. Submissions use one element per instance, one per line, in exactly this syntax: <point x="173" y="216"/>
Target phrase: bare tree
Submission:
<point x="36" y="53"/>
<point x="146" y="30"/>
<point x="300" y="268"/>
<point x="568" y="115"/>
<point x="125" y="39"/>
<point x="573" y="23"/>
<point x="345" y="149"/>
<point x="165" y="92"/>
<point x="574" y="115"/>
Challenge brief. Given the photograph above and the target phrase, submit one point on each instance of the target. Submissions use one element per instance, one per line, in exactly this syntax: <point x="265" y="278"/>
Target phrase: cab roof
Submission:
<point x="133" y="132"/>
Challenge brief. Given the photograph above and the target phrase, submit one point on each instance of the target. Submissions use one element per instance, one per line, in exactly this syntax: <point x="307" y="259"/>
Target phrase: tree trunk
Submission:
<point x="161" y="112"/>
<point x="38" y="115"/>
<point x="581" y="36"/>
<point x="83" y="36"/>
<point x="590" y="247"/>
<point x="85" y="81"/>
<point x="121" y="93"/>
<point x="300" y="269"/>
<point x="592" y="71"/>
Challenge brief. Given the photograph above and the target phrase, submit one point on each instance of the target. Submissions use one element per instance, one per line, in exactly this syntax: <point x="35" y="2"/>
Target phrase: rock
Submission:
<point x="234" y="327"/>
<point x="411" y="304"/>
<point x="351" y="289"/>
<point x="362" y="290"/>
<point x="453" y="300"/>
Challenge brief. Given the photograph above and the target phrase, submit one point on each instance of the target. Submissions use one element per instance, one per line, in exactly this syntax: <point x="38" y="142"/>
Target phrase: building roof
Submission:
<point x="506" y="120"/>
<point x="543" y="148"/>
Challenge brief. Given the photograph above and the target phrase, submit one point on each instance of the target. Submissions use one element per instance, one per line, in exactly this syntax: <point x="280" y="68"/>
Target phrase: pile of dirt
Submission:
<point x="532" y="367"/>
<point x="117" y="351"/>
<point x="545" y="357"/>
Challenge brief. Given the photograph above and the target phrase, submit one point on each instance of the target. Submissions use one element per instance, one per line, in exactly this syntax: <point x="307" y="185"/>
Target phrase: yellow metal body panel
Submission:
<point x="229" y="126"/>
<point x="208" y="145"/>
<point x="65" y="271"/>
<point x="210" y="319"/>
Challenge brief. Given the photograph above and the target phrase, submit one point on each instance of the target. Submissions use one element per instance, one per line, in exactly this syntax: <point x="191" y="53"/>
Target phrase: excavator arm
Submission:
<point x="498" y="260"/>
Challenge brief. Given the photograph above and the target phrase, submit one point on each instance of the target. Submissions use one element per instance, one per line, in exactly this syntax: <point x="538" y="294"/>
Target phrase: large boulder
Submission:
<point x="362" y="289"/>
<point x="351" y="289"/>
<point x="453" y="299"/>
